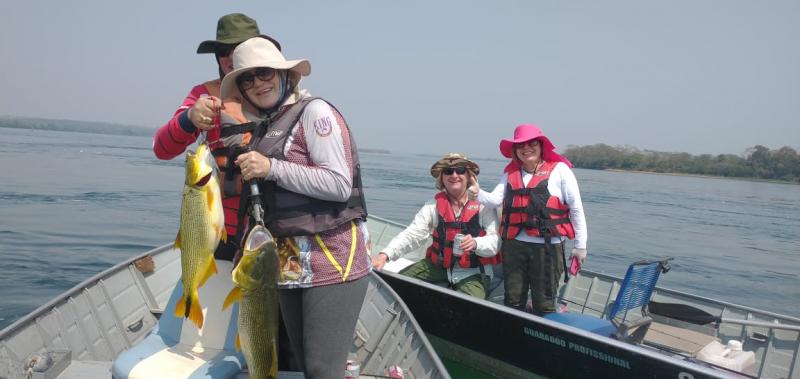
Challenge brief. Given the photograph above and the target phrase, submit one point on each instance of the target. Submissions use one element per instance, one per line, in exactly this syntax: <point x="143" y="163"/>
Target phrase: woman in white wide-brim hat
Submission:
<point x="542" y="208"/>
<point x="305" y="162"/>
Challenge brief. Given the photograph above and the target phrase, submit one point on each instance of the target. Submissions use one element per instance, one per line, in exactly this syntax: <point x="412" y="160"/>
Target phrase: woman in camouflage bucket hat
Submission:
<point x="467" y="266"/>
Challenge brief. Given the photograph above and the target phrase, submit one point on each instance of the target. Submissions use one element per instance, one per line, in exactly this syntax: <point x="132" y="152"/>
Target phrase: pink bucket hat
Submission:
<point x="527" y="132"/>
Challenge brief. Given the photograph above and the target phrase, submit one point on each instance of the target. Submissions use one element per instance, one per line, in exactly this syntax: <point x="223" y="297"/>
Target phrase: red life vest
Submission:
<point x="441" y="250"/>
<point x="533" y="208"/>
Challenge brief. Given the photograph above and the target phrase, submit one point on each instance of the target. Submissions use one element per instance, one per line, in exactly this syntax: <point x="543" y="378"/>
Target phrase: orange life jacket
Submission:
<point x="533" y="208"/>
<point x="235" y="133"/>
<point x="441" y="250"/>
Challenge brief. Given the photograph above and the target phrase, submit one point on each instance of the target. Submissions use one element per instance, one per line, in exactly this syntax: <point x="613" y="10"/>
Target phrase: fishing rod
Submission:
<point x="256" y="210"/>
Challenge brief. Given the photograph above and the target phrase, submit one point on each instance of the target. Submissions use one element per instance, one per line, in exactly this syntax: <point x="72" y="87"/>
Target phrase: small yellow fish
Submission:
<point x="255" y="281"/>
<point x="202" y="227"/>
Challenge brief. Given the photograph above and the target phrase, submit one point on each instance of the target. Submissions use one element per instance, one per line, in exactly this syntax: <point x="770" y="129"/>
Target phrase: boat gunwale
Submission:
<point x="11" y="329"/>
<point x="410" y="316"/>
<point x="663" y="289"/>
<point x="30" y="317"/>
<point x="633" y="349"/>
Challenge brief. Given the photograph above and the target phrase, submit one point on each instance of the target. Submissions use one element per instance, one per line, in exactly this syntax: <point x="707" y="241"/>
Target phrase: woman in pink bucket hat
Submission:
<point x="542" y="208"/>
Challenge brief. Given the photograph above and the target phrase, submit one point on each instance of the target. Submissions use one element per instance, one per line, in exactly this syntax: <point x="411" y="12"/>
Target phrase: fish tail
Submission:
<point x="180" y="307"/>
<point x="194" y="311"/>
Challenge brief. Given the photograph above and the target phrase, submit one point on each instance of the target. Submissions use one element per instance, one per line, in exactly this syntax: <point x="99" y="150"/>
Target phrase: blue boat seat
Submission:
<point x="177" y="349"/>
<point x="635" y="292"/>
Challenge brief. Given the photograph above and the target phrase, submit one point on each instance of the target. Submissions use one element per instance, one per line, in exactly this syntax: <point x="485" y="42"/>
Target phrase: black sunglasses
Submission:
<point x="460" y="170"/>
<point x="224" y="51"/>
<point x="247" y="80"/>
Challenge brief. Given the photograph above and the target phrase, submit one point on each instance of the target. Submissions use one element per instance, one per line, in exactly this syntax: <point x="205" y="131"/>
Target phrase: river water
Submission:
<point x="74" y="204"/>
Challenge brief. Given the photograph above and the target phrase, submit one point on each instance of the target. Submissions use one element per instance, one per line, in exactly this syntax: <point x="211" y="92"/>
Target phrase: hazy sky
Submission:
<point x="430" y="76"/>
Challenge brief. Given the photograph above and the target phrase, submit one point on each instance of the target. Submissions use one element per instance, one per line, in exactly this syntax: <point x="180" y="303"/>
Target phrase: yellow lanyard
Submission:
<point x="328" y="254"/>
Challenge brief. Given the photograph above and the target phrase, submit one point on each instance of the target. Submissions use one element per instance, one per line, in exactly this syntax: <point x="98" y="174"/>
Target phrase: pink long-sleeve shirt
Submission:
<point x="178" y="133"/>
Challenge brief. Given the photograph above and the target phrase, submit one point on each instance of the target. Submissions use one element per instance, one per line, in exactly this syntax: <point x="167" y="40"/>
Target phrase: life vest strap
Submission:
<point x="289" y="211"/>
<point x="227" y="131"/>
<point x="553" y="211"/>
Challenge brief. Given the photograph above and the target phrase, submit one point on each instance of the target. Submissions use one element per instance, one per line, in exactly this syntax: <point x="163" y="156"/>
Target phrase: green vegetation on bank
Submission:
<point x="757" y="162"/>
<point x="74" y="126"/>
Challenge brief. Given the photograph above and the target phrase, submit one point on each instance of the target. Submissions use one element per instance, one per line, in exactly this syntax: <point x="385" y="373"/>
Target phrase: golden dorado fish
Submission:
<point x="202" y="227"/>
<point x="255" y="287"/>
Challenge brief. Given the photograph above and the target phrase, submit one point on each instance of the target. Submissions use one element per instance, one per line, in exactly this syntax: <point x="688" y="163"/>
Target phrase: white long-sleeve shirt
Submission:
<point x="563" y="185"/>
<point x="425" y="223"/>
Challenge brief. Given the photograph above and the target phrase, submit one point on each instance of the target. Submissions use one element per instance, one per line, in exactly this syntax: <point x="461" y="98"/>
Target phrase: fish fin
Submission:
<point x="238" y="343"/>
<point x="195" y="311"/>
<point x="234" y="295"/>
<point x="224" y="234"/>
<point x="211" y="269"/>
<point x="178" y="240"/>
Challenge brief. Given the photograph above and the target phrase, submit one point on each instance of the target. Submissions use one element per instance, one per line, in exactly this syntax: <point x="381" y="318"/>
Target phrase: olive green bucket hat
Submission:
<point x="233" y="29"/>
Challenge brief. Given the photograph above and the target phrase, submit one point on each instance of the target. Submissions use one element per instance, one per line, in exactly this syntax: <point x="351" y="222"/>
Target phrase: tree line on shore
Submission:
<point x="757" y="162"/>
<point x="74" y="126"/>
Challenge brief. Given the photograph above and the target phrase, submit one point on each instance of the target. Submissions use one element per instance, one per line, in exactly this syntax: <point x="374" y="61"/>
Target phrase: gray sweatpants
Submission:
<point x="320" y="322"/>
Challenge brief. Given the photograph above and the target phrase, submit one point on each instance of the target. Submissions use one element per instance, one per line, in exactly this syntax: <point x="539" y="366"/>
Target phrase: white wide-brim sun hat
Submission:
<point x="259" y="52"/>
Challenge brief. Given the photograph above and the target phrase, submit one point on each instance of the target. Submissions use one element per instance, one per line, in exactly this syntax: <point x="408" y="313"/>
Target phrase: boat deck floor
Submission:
<point x="100" y="369"/>
<point x="676" y="339"/>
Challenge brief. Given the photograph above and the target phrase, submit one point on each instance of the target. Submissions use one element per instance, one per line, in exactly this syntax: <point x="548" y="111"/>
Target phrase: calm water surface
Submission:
<point x="74" y="204"/>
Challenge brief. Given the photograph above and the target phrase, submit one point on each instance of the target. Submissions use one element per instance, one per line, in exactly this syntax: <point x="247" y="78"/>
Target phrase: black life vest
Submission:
<point x="289" y="213"/>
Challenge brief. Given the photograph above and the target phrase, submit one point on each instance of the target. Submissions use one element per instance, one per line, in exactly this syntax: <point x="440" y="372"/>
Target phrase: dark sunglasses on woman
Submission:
<point x="247" y="80"/>
<point x="460" y="170"/>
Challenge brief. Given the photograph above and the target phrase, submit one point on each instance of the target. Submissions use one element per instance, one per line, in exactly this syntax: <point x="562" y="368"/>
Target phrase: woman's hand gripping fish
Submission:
<point x="255" y="287"/>
<point x="202" y="227"/>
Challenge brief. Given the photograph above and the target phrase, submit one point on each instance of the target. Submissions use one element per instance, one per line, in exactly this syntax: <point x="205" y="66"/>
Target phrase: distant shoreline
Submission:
<point x="94" y="127"/>
<point x="748" y="179"/>
<point x="30" y="123"/>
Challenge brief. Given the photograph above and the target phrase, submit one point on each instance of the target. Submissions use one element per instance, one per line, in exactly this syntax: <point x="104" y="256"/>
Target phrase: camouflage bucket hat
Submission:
<point x="233" y="29"/>
<point x="454" y="160"/>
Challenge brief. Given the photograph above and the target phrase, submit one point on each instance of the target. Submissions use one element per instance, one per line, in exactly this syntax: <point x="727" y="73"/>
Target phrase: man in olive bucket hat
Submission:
<point x="466" y="266"/>
<point x="202" y="111"/>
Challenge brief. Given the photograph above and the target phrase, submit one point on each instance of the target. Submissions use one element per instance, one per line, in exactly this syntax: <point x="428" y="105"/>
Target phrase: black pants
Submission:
<point x="531" y="266"/>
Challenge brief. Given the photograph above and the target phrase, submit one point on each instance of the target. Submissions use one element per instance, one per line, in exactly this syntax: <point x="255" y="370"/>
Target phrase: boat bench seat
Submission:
<point x="177" y="349"/>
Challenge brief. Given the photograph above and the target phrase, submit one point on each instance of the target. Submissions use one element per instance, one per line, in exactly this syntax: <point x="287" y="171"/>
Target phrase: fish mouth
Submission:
<point x="204" y="180"/>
